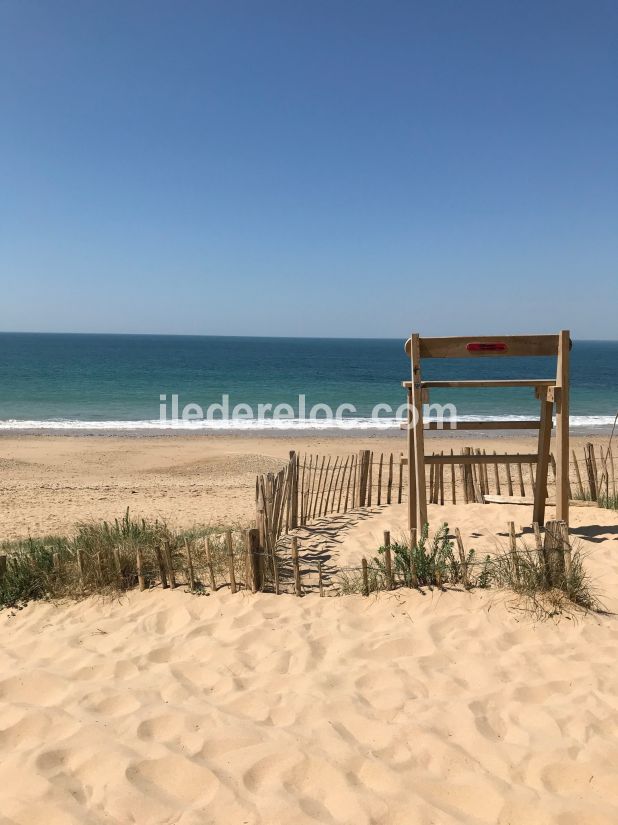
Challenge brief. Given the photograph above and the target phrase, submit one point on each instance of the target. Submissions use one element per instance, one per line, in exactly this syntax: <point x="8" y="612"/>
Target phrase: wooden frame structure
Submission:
<point x="550" y="392"/>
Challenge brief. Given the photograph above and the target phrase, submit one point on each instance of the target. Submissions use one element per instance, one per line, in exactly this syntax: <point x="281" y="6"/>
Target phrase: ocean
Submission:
<point x="115" y="382"/>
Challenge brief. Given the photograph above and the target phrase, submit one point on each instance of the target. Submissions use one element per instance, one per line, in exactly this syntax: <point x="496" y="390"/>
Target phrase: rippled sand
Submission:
<point x="443" y="708"/>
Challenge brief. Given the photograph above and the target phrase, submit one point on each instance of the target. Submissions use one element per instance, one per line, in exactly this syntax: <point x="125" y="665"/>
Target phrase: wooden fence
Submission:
<point x="311" y="487"/>
<point x="237" y="562"/>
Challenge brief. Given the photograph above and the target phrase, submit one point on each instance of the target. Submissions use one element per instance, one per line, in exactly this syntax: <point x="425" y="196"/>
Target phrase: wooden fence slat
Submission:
<point x="190" y="571"/>
<point x="388" y="561"/>
<point x="343" y="475"/>
<point x="210" y="565"/>
<point x="139" y="563"/>
<point x="365" y="577"/>
<point x="230" y="560"/>
<point x="320" y="513"/>
<point x="296" y="567"/>
<point x="389" y="484"/>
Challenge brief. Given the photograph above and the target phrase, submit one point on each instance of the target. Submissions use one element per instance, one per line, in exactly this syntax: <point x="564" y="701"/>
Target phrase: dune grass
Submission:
<point x="101" y="557"/>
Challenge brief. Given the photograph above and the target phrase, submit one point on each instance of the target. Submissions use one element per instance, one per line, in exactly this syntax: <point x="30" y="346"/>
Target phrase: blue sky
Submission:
<point x="309" y="168"/>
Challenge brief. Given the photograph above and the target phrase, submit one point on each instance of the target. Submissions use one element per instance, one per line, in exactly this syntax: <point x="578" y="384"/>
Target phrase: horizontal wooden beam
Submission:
<point x="491" y="499"/>
<point x="519" y="345"/>
<point x="532" y="424"/>
<point x="488" y="383"/>
<point x="502" y="458"/>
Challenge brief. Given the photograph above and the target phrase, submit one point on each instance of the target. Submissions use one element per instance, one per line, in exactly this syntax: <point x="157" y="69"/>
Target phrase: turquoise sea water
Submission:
<point x="114" y="382"/>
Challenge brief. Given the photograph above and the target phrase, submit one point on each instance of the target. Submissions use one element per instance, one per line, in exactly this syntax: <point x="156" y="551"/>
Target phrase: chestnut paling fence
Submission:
<point x="306" y="490"/>
<point x="310" y="487"/>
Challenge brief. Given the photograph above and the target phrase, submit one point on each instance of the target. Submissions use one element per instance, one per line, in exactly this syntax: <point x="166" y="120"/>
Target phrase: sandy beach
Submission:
<point x="48" y="483"/>
<point x="452" y="707"/>
<point x="405" y="707"/>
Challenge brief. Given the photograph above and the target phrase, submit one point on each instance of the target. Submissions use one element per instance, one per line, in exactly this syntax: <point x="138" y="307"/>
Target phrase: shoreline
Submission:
<point x="600" y="431"/>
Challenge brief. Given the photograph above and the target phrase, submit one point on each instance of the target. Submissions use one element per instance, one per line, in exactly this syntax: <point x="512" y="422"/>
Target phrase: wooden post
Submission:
<point x="139" y="563"/>
<point x="296" y="567"/>
<point x="513" y="547"/>
<point x="333" y="481"/>
<point x="230" y="560"/>
<point x="294" y="491"/>
<point x="343" y="474"/>
<point x="400" y="483"/>
<point x="80" y="566"/>
<point x="509" y="481"/>
<point x="462" y="558"/>
<point x="566" y="550"/>
<point x="591" y="466"/>
<point x="317" y="491"/>
<point x="253" y="551"/>
<point x="209" y="563"/>
<point x="365" y="577"/>
<point x="453" y="493"/>
<point x="413" y="576"/>
<point x="161" y="566"/>
<point x="118" y="566"/>
<point x="379" y="492"/>
<point x="522" y="489"/>
<point x="321" y="510"/>
<point x="554" y="552"/>
<point x="320" y="582"/>
<point x="170" y="565"/>
<point x="388" y="560"/>
<point x="347" y="492"/>
<point x="389" y="483"/>
<point x="190" y="566"/>
<point x="432" y="470"/>
<point x="562" y="428"/>
<point x="497" y="477"/>
<point x="542" y="467"/>
<point x="369" y="478"/>
<point x="419" y="437"/>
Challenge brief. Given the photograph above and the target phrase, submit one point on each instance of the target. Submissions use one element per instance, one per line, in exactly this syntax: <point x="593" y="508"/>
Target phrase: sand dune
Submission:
<point x="406" y="708"/>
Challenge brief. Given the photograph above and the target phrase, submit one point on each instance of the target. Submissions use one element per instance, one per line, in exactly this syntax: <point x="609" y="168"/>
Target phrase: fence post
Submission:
<point x="162" y="573"/>
<point x="230" y="560"/>
<point x="555" y="552"/>
<point x="462" y="558"/>
<point x="388" y="561"/>
<point x="118" y="566"/>
<point x="296" y="567"/>
<point x="294" y="490"/>
<point x="80" y="565"/>
<point x="320" y="581"/>
<point x="190" y="566"/>
<point x="253" y="550"/>
<point x="413" y="576"/>
<point x="170" y="565"/>
<point x="211" y="569"/>
<point x="365" y="577"/>
<point x="139" y="563"/>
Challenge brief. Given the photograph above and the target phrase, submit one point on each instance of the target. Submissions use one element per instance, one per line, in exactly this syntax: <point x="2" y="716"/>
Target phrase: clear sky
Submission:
<point x="325" y="167"/>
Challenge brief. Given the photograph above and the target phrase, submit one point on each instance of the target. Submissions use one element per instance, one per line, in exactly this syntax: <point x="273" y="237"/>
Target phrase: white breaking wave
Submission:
<point x="255" y="424"/>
